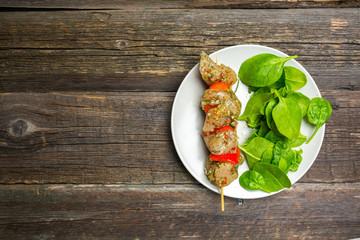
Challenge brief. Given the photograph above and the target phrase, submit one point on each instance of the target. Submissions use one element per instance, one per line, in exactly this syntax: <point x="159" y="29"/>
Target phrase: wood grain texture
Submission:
<point x="176" y="4"/>
<point x="86" y="90"/>
<point x="153" y="50"/>
<point x="306" y="211"/>
<point x="125" y="137"/>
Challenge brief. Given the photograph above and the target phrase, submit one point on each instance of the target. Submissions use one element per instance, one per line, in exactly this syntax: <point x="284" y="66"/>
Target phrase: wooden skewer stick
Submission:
<point x="222" y="199"/>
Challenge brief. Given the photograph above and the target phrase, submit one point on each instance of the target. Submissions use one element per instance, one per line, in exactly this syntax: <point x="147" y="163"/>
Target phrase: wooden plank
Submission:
<point x="153" y="50"/>
<point x="124" y="137"/>
<point x="306" y="211"/>
<point x="176" y="4"/>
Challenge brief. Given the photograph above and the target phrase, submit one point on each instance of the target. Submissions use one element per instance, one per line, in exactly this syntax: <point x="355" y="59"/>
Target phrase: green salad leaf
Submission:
<point x="280" y="177"/>
<point x="252" y="180"/>
<point x="266" y="177"/>
<point x="262" y="70"/>
<point x="296" y="161"/>
<point x="301" y="99"/>
<point x="268" y="112"/>
<point x="301" y="138"/>
<point x="252" y="113"/>
<point x="263" y="130"/>
<point x="318" y="113"/>
<point x="283" y="155"/>
<point x="287" y="116"/>
<point x="255" y="149"/>
<point x="294" y="79"/>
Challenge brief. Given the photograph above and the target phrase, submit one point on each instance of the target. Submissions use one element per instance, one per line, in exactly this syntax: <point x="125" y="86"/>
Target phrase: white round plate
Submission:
<point x="187" y="119"/>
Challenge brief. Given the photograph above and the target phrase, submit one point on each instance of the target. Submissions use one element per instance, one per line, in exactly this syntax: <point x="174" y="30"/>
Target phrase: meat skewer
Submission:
<point x="222" y="107"/>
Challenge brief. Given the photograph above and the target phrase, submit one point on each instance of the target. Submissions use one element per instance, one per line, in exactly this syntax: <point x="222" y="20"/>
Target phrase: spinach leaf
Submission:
<point x="255" y="149"/>
<point x="279" y="83"/>
<point x="266" y="177"/>
<point x="262" y="70"/>
<point x="264" y="129"/>
<point x="252" y="135"/>
<point x="283" y="91"/>
<point x="287" y="116"/>
<point x="283" y="155"/>
<point x="252" y="89"/>
<point x="272" y="136"/>
<point x="267" y="156"/>
<point x="294" y="78"/>
<point x="296" y="161"/>
<point x="268" y="111"/>
<point x="318" y="113"/>
<point x="262" y="90"/>
<point x="252" y="110"/>
<point x="275" y="172"/>
<point x="252" y="180"/>
<point x="298" y="141"/>
<point x="301" y="99"/>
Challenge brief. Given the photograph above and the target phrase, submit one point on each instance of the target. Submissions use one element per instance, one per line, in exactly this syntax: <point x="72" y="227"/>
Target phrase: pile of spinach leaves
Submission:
<point x="275" y="110"/>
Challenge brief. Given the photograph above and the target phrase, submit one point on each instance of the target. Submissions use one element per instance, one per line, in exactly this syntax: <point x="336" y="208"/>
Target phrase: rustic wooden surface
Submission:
<point x="86" y="91"/>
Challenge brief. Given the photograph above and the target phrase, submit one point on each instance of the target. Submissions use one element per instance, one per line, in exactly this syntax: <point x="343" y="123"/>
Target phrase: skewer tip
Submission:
<point x="222" y="199"/>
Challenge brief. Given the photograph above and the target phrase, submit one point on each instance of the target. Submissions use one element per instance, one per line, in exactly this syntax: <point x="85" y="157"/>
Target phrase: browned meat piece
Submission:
<point x="214" y="97"/>
<point x="217" y="117"/>
<point x="220" y="174"/>
<point x="212" y="73"/>
<point x="221" y="142"/>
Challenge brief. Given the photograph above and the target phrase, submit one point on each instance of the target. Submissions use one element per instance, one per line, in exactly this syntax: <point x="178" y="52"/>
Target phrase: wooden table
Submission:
<point x="86" y="94"/>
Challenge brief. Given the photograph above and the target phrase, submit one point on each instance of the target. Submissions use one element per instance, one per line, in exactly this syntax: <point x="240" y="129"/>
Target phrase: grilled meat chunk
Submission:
<point x="220" y="174"/>
<point x="218" y="117"/>
<point x="212" y="73"/>
<point x="221" y="142"/>
<point x="214" y="97"/>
